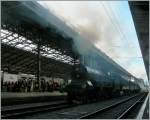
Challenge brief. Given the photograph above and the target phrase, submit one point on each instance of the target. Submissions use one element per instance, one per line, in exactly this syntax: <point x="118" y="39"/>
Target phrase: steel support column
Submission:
<point x="38" y="63"/>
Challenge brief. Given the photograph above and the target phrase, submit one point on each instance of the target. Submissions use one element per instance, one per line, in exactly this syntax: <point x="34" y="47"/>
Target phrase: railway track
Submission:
<point x="31" y="109"/>
<point x="74" y="112"/>
<point x="132" y="112"/>
<point x="119" y="110"/>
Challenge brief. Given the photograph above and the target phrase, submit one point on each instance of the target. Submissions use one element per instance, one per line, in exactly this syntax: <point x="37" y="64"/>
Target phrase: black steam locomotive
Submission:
<point x="80" y="87"/>
<point x="98" y="77"/>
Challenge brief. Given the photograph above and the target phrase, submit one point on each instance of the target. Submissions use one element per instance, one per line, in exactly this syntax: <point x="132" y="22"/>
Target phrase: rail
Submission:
<point x="16" y="113"/>
<point x="91" y="115"/>
<point x="125" y="114"/>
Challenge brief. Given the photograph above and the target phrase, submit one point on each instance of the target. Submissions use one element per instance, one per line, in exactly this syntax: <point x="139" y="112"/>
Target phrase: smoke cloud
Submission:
<point x="94" y="22"/>
<point x="90" y="20"/>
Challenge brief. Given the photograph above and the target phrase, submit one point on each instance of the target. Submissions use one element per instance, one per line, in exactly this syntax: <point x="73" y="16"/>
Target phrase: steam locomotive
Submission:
<point x="97" y="77"/>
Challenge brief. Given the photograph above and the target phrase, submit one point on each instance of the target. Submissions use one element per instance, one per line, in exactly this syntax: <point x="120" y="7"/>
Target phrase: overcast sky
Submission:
<point x="109" y="25"/>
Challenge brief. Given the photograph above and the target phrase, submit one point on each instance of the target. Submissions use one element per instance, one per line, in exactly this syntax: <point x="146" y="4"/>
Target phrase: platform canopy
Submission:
<point x="140" y="14"/>
<point x="26" y="33"/>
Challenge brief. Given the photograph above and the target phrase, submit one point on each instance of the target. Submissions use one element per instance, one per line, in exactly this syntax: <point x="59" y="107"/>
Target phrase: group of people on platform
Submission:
<point x="29" y="85"/>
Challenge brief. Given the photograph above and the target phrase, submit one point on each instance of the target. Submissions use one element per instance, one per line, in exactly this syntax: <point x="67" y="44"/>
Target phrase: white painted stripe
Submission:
<point x="141" y="112"/>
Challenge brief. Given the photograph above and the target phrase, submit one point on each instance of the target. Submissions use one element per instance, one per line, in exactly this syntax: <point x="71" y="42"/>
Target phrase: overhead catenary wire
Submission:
<point x="118" y="28"/>
<point x="117" y="23"/>
<point x="114" y="23"/>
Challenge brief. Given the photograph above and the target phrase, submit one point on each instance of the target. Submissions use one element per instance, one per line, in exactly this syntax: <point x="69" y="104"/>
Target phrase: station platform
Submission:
<point x="144" y="111"/>
<point x="14" y="98"/>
